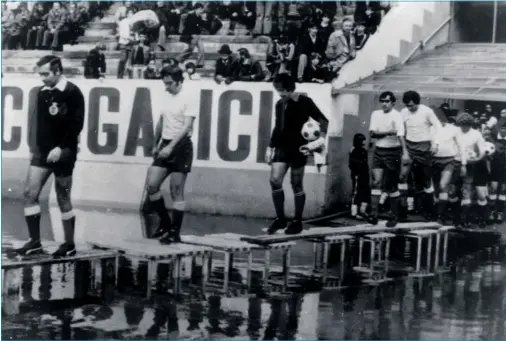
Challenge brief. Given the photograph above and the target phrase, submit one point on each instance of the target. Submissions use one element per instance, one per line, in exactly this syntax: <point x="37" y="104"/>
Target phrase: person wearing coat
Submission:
<point x="341" y="46"/>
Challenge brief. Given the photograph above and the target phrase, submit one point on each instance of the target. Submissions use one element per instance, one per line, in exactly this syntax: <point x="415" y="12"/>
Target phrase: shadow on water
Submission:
<point x="467" y="301"/>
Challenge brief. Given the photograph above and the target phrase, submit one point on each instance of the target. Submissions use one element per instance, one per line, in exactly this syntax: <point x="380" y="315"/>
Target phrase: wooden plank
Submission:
<point x="319" y="232"/>
<point x="221" y="244"/>
<point x="237" y="237"/>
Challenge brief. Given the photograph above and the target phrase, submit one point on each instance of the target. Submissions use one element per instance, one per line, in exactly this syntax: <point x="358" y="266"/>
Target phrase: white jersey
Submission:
<point x="176" y="108"/>
<point x="472" y="141"/>
<point x="383" y="122"/>
<point x="445" y="140"/>
<point x="419" y="123"/>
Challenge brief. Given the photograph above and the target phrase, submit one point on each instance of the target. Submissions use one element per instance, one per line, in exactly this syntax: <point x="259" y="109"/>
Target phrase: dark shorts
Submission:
<point x="477" y="174"/>
<point x="443" y="164"/>
<point x="498" y="168"/>
<point x="294" y="158"/>
<point x="387" y="158"/>
<point x="63" y="168"/>
<point x="420" y="153"/>
<point x="181" y="159"/>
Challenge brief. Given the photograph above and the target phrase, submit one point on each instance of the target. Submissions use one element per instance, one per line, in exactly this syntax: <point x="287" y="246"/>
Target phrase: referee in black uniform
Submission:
<point x="292" y="111"/>
<point x="56" y="124"/>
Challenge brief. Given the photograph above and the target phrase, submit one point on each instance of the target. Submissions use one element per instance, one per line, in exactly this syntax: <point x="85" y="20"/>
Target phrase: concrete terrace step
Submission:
<point x="100" y="33"/>
<point x="219" y="39"/>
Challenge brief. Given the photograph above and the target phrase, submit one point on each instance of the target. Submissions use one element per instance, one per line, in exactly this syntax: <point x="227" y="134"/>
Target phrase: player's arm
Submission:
<point x="461" y="150"/>
<point x="316" y="114"/>
<point x="158" y="133"/>
<point x="400" y="133"/>
<point x="76" y="121"/>
<point x="276" y="132"/>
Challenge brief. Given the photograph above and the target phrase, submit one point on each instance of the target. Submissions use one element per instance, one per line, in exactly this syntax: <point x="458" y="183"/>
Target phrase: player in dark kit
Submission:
<point x="292" y="111"/>
<point x="56" y="124"/>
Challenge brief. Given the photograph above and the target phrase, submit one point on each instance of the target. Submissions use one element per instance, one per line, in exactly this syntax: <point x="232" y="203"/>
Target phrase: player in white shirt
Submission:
<point x="173" y="154"/>
<point x="477" y="173"/>
<point x="446" y="171"/>
<point x="418" y="119"/>
<point x="387" y="128"/>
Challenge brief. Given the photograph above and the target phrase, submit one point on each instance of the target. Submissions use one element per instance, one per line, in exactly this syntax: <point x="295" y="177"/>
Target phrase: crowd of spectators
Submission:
<point x="46" y="25"/>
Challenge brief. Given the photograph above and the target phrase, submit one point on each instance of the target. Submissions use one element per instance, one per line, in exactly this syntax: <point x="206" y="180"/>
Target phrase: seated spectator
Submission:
<point x="140" y="57"/>
<point x="331" y="69"/>
<point x="192" y="29"/>
<point x="280" y="54"/>
<point x="162" y="11"/>
<point x="297" y="15"/>
<point x="37" y="24"/>
<point x="15" y="26"/>
<point x="242" y="12"/>
<point x="226" y="67"/>
<point x="325" y="29"/>
<point x="310" y="43"/>
<point x="125" y="42"/>
<point x="169" y="62"/>
<point x="266" y="12"/>
<point x="191" y="72"/>
<point x="341" y="45"/>
<point x="249" y="70"/>
<point x="369" y="13"/>
<point x="151" y="71"/>
<point x="77" y="19"/>
<point x="175" y="9"/>
<point x="56" y="26"/>
<point x="94" y="65"/>
<point x="361" y="36"/>
<point x="314" y="72"/>
<point x="210" y="23"/>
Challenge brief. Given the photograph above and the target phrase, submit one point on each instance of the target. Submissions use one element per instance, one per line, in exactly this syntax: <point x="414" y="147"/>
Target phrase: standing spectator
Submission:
<point x="314" y="72"/>
<point x="325" y="29"/>
<point x="94" y="65"/>
<point x="280" y="54"/>
<point x="192" y="29"/>
<point x="242" y="12"/>
<point x="341" y="45"/>
<point x="361" y="36"/>
<point x="296" y="16"/>
<point x="368" y="12"/>
<point x="56" y="24"/>
<point x="263" y="24"/>
<point x="77" y="19"/>
<point x="162" y="13"/>
<point x="16" y="27"/>
<point x="140" y="57"/>
<point x="125" y="42"/>
<point x="151" y="71"/>
<point x="310" y="43"/>
<point x="122" y="12"/>
<point x="37" y="24"/>
<point x="226" y="67"/>
<point x="249" y="70"/>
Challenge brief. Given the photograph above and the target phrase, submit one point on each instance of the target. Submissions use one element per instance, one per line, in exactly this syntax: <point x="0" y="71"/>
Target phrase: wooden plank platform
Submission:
<point x="84" y="252"/>
<point x="229" y="242"/>
<point x="320" y="232"/>
<point x="151" y="249"/>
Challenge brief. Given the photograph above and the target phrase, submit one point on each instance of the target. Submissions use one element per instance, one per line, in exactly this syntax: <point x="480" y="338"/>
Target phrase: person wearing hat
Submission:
<point x="226" y="67"/>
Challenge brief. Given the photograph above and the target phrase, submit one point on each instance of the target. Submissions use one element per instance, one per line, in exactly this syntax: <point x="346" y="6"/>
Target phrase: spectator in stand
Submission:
<point x="175" y="9"/>
<point x="151" y="71"/>
<point x="280" y="56"/>
<point x="361" y="36"/>
<point x="192" y="29"/>
<point x="37" y="24"/>
<point x="263" y="24"/>
<point x="298" y="14"/>
<point x="341" y="45"/>
<point x="6" y="12"/>
<point x="249" y="70"/>
<point x="77" y="19"/>
<point x="125" y="42"/>
<point x="314" y="72"/>
<point x="162" y="12"/>
<point x="94" y="65"/>
<point x="16" y="26"/>
<point x="122" y="12"/>
<point x="140" y="57"/>
<point x="368" y="12"/>
<point x="210" y="23"/>
<point x="226" y="67"/>
<point x="242" y="12"/>
<point x="191" y="72"/>
<point x="325" y="29"/>
<point x="309" y="44"/>
<point x="56" y="28"/>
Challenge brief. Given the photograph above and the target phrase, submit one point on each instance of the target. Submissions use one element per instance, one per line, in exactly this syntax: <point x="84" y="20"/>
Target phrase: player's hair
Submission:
<point x="387" y="95"/>
<point x="411" y="96"/>
<point x="464" y="119"/>
<point x="174" y="72"/>
<point x="285" y="81"/>
<point x="53" y="61"/>
<point x="198" y="5"/>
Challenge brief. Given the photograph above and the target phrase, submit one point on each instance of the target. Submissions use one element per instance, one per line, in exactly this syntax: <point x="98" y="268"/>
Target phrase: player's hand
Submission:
<point x="405" y="158"/>
<point x="305" y="150"/>
<point x="434" y="148"/>
<point x="268" y="155"/>
<point x="463" y="170"/>
<point x="54" y="155"/>
<point x="165" y="152"/>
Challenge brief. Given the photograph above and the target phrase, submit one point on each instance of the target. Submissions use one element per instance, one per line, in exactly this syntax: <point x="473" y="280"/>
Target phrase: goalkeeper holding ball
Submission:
<point x="289" y="149"/>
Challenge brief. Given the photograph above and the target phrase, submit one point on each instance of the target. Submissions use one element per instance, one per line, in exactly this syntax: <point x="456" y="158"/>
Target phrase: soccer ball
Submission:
<point x="489" y="148"/>
<point x="311" y="130"/>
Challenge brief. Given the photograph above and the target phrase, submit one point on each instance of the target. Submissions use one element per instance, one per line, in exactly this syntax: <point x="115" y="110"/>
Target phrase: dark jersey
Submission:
<point x="291" y="115"/>
<point x="358" y="161"/>
<point x="58" y="117"/>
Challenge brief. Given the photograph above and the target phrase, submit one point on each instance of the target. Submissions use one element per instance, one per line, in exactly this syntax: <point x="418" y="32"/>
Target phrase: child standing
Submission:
<point x="359" y="168"/>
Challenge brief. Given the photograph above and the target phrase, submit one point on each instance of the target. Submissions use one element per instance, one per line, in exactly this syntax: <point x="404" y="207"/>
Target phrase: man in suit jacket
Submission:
<point x="226" y="66"/>
<point x="56" y="24"/>
<point x="341" y="46"/>
<point x="309" y="44"/>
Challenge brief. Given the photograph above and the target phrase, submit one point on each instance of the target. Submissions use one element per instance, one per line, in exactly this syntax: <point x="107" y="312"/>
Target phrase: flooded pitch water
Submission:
<point x="467" y="302"/>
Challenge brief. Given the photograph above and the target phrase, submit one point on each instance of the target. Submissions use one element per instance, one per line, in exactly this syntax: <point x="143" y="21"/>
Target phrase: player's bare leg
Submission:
<point x="443" y="197"/>
<point x="154" y="180"/>
<point x="297" y="179"/>
<point x="36" y="178"/>
<point x="278" y="172"/>
<point x="403" y="187"/>
<point x="63" y="189"/>
<point x="177" y="186"/>
<point x="377" y="180"/>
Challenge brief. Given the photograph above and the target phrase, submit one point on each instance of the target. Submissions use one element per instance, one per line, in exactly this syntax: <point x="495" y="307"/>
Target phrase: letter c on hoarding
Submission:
<point x="111" y="130"/>
<point x="17" y="104"/>
<point x="245" y="108"/>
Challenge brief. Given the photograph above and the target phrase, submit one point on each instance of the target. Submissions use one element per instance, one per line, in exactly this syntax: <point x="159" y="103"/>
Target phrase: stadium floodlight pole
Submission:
<point x="494" y="21"/>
